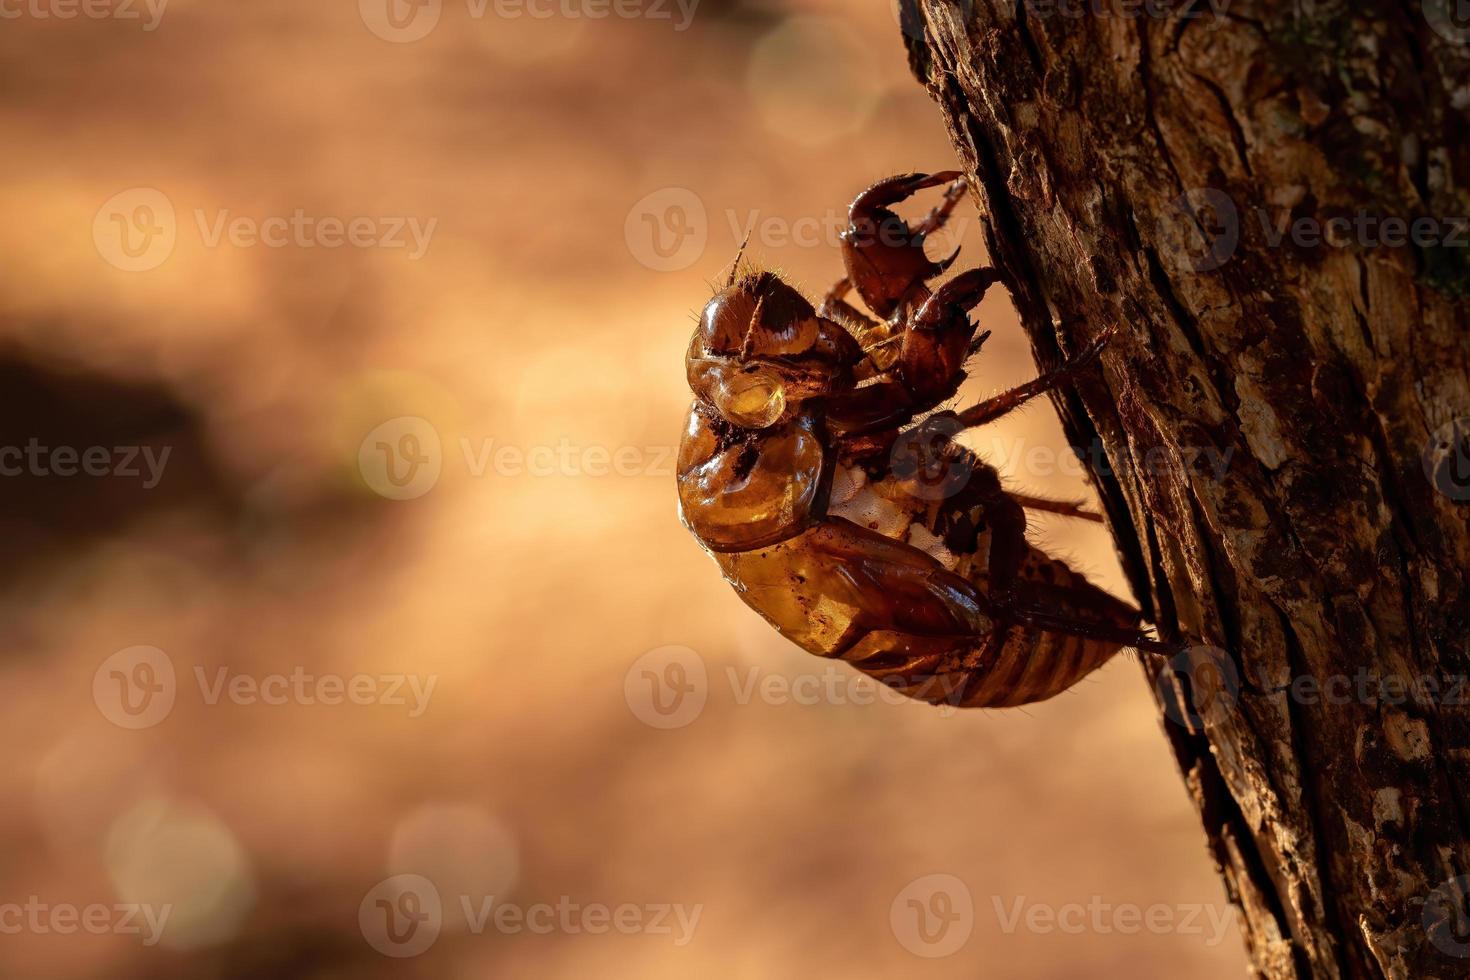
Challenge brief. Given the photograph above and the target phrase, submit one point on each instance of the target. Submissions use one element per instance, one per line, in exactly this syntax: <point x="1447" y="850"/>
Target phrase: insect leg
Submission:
<point x="930" y="363"/>
<point x="1091" y="629"/>
<point x="1032" y="603"/>
<point x="938" y="340"/>
<point x="836" y="298"/>
<point x="940" y="216"/>
<point x="835" y="307"/>
<point x="885" y="257"/>
<point x="1006" y="402"/>
<point x="1006" y="521"/>
<point x="1067" y="508"/>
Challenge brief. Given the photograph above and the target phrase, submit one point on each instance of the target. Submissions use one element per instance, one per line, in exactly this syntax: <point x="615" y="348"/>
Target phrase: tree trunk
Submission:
<point x="1278" y="431"/>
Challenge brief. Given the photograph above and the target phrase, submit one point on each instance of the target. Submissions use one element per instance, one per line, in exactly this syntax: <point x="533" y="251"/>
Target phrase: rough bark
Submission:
<point x="1108" y="153"/>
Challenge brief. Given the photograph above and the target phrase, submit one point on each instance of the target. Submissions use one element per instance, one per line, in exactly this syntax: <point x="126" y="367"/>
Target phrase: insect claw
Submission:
<point x="1096" y="347"/>
<point x="943" y="264"/>
<point x="1089" y="354"/>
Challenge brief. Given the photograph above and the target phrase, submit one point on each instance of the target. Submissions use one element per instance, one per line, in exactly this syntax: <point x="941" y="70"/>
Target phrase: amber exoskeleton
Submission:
<point x="817" y="469"/>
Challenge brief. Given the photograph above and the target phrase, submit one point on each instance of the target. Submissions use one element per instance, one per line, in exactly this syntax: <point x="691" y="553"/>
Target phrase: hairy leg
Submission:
<point x="1006" y="402"/>
<point x="929" y="365"/>
<point x="874" y="337"/>
<point x="1094" y="629"/>
<point x="1067" y="508"/>
<point x="940" y="216"/>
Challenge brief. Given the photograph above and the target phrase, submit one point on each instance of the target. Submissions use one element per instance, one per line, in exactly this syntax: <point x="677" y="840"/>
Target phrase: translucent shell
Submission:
<point x="837" y="582"/>
<point x="749" y="494"/>
<point x="751" y="401"/>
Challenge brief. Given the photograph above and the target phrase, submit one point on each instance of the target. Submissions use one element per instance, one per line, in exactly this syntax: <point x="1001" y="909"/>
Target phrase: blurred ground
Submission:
<point x="575" y="185"/>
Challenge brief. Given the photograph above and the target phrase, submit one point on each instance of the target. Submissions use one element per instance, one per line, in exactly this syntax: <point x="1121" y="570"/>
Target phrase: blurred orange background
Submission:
<point x="527" y="211"/>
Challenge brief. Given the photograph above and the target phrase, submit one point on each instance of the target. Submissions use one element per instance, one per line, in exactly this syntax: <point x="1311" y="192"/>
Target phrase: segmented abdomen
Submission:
<point x="1032" y="665"/>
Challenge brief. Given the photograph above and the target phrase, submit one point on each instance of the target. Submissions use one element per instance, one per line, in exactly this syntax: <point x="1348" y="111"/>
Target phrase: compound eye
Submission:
<point x="751" y="401"/>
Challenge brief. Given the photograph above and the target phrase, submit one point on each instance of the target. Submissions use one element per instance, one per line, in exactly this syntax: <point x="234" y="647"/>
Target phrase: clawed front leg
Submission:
<point x="884" y="256"/>
<point x="930" y="362"/>
<point x="1024" y="592"/>
<point x="940" y="216"/>
<point x="1014" y="601"/>
<point x="938" y="341"/>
